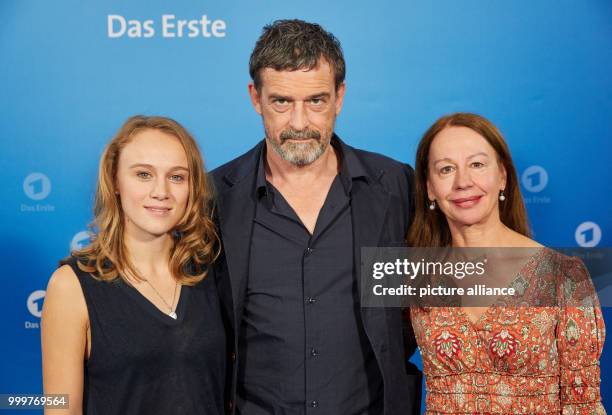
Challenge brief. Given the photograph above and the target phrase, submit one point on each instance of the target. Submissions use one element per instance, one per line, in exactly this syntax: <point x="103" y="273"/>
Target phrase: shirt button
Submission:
<point x="314" y="404"/>
<point x="311" y="300"/>
<point x="309" y="250"/>
<point x="314" y="352"/>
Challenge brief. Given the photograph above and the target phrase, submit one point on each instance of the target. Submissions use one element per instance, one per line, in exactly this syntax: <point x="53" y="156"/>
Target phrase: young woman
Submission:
<point x="505" y="360"/>
<point x="132" y="323"/>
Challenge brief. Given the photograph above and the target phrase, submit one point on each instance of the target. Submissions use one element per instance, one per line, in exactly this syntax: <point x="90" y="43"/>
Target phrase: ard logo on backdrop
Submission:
<point x="535" y="179"/>
<point x="168" y="26"/>
<point x="80" y="241"/>
<point x="34" y="304"/>
<point x="35" y="300"/>
<point x="588" y="234"/>
<point x="37" y="187"/>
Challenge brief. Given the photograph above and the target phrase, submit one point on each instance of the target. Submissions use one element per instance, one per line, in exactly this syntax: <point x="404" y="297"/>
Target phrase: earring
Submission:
<point x="501" y="196"/>
<point x="432" y="205"/>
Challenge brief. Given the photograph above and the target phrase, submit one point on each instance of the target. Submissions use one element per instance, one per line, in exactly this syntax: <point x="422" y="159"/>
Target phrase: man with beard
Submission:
<point x="294" y="213"/>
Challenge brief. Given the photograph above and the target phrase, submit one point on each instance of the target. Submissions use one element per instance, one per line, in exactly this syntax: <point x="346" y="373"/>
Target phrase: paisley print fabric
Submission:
<point x="517" y="360"/>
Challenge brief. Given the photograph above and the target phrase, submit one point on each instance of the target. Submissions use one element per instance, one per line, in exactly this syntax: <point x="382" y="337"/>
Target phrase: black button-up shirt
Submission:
<point x="303" y="348"/>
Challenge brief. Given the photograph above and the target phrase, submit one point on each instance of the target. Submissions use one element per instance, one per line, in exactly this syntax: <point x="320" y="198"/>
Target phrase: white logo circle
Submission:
<point x="36" y="186"/>
<point x="35" y="302"/>
<point x="534" y="179"/>
<point x="588" y="234"/>
<point x="80" y="241"/>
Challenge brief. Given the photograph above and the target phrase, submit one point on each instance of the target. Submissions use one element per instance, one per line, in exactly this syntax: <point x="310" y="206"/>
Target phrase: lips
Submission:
<point x="466" y="202"/>
<point x="158" y="210"/>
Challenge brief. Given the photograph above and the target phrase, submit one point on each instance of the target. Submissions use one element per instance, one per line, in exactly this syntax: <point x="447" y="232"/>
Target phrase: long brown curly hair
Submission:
<point x="196" y="242"/>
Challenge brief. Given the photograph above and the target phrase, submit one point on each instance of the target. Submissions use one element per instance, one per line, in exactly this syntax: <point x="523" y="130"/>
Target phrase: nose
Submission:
<point x="160" y="188"/>
<point x="463" y="179"/>
<point x="299" y="118"/>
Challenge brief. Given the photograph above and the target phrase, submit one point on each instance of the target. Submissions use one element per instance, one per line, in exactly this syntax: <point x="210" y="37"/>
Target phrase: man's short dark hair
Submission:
<point x="289" y="45"/>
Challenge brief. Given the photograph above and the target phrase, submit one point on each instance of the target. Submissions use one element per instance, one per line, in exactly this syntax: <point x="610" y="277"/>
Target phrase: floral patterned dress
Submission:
<point x="519" y="360"/>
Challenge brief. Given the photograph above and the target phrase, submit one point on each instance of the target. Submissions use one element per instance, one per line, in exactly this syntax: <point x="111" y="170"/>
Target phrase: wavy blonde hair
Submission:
<point x="196" y="242"/>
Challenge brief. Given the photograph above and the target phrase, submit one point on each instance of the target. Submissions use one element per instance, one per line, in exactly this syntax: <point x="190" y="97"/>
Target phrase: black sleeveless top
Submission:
<point x="143" y="361"/>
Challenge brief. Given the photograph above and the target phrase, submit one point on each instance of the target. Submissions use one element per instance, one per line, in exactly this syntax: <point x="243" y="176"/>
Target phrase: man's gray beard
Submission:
<point x="300" y="154"/>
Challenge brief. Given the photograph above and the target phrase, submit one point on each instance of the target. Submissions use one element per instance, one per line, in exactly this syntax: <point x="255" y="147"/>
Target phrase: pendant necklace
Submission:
<point x="171" y="312"/>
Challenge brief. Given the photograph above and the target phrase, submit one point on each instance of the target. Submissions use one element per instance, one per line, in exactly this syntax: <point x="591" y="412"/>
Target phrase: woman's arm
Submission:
<point x="64" y="339"/>
<point x="580" y="338"/>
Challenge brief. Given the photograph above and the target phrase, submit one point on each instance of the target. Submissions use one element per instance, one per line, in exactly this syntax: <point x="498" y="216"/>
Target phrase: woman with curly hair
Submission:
<point x="132" y="323"/>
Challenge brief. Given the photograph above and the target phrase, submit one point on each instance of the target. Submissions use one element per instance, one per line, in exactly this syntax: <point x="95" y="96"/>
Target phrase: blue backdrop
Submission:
<point x="73" y="71"/>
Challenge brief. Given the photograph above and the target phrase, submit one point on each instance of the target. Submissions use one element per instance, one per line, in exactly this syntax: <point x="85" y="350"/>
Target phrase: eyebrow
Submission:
<point x="469" y="157"/>
<point x="319" y="95"/>
<point x="314" y="96"/>
<point x="150" y="166"/>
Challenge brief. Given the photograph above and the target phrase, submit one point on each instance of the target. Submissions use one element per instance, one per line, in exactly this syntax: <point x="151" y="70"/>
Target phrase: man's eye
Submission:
<point x="316" y="101"/>
<point x="280" y="101"/>
<point x="143" y="174"/>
